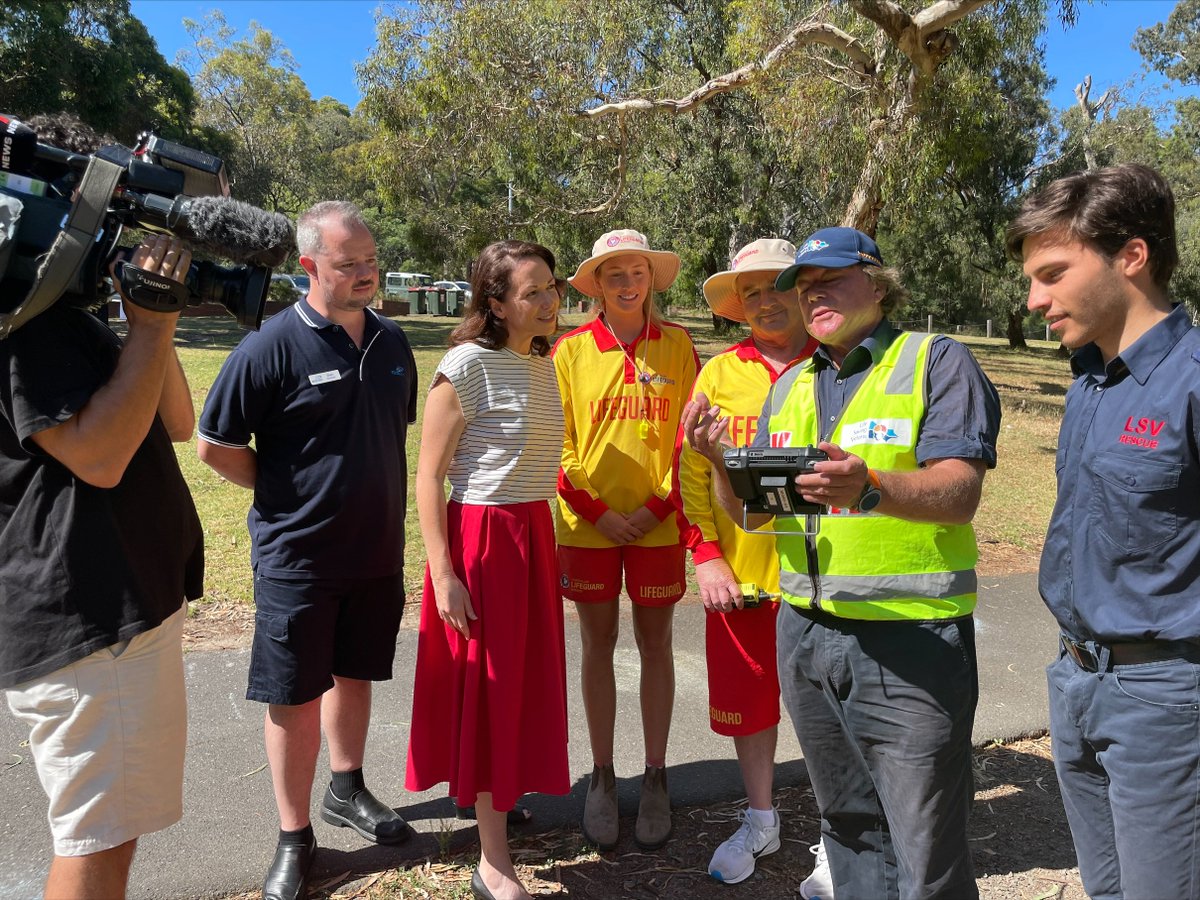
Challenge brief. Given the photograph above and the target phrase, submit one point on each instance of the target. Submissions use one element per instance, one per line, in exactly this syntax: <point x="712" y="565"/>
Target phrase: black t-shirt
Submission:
<point x="81" y="567"/>
<point x="329" y="422"/>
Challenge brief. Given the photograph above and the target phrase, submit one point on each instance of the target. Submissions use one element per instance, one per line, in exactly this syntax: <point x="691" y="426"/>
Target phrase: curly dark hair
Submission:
<point x="67" y="131"/>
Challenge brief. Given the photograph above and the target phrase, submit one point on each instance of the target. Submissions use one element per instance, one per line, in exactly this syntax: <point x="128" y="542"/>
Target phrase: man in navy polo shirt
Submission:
<point x="1122" y="555"/>
<point x="327" y="390"/>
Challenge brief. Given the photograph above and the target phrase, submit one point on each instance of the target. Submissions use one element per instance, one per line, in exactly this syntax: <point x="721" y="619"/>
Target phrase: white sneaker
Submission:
<point x="734" y="859"/>
<point x="818" y="885"/>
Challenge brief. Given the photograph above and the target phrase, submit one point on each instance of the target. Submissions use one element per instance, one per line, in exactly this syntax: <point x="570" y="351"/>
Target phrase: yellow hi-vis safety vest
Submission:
<point x="865" y="565"/>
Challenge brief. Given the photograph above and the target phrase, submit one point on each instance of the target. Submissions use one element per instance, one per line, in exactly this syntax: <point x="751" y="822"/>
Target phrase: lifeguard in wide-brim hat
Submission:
<point x="623" y="377"/>
<point x="664" y="265"/>
<point x="739" y="641"/>
<point x="765" y="255"/>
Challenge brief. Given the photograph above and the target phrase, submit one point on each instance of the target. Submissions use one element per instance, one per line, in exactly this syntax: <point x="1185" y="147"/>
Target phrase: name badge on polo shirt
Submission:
<point x="325" y="377"/>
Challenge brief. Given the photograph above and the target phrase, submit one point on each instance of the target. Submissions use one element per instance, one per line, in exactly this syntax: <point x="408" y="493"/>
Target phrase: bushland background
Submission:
<point x="703" y="123"/>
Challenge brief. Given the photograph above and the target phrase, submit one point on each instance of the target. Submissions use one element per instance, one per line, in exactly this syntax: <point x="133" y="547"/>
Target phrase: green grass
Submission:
<point x="1018" y="495"/>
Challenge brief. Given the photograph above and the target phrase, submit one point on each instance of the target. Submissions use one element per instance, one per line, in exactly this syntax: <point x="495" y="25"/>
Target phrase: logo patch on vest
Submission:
<point x="897" y="432"/>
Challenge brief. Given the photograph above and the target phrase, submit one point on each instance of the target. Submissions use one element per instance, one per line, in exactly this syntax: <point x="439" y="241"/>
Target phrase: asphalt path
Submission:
<point x="227" y="836"/>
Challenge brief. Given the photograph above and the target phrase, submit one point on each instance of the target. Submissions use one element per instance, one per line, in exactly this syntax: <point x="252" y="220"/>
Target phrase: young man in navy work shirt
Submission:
<point x="327" y="389"/>
<point x="1122" y="555"/>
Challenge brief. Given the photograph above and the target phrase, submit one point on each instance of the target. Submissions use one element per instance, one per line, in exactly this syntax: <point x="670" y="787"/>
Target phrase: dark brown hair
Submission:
<point x="491" y="277"/>
<point x="1104" y="209"/>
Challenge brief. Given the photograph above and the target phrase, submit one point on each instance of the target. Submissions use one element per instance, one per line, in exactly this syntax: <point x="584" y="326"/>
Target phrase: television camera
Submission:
<point x="62" y="214"/>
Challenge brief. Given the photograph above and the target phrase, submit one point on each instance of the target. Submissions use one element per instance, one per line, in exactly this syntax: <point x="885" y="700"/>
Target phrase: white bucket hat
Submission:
<point x="767" y="254"/>
<point x="664" y="265"/>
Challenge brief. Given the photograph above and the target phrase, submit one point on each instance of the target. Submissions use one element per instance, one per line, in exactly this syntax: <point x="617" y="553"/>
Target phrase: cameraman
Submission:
<point x="876" y="643"/>
<point x="102" y="545"/>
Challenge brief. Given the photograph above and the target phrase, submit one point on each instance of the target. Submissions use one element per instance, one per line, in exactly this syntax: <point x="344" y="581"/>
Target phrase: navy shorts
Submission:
<point x="305" y="632"/>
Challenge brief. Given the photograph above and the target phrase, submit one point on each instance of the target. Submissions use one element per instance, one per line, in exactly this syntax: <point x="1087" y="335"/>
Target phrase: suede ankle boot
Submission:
<point x="600" y="819"/>
<point x="654" y="811"/>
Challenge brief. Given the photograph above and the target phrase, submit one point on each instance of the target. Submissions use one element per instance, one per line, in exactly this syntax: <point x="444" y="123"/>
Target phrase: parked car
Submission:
<point x="288" y="288"/>
<point x="398" y="284"/>
<point x="461" y="287"/>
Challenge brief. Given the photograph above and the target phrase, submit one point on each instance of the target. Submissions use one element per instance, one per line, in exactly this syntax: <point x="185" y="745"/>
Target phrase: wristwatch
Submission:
<point x="871" y="495"/>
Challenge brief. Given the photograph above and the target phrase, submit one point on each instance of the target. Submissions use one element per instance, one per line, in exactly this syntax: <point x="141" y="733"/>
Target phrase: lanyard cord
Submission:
<point x="643" y="376"/>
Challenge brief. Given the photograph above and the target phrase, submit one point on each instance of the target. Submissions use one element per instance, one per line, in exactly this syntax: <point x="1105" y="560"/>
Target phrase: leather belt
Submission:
<point x="1087" y="654"/>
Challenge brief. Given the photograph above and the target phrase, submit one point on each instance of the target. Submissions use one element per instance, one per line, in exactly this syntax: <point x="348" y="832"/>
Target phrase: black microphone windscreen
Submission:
<point x="239" y="231"/>
<point x="18" y="143"/>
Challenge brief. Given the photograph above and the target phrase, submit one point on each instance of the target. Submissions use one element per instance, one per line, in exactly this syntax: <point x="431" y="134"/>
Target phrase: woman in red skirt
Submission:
<point x="489" y="697"/>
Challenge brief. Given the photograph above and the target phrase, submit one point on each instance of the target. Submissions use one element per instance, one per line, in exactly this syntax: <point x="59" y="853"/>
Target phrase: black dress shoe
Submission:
<point x="366" y="815"/>
<point x="478" y="888"/>
<point x="287" y="879"/>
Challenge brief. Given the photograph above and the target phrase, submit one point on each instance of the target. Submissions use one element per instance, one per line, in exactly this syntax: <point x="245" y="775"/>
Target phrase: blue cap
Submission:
<point x="831" y="248"/>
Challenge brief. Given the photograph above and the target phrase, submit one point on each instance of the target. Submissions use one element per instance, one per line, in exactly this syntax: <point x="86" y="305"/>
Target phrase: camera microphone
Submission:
<point x="220" y="225"/>
<point x="240" y="232"/>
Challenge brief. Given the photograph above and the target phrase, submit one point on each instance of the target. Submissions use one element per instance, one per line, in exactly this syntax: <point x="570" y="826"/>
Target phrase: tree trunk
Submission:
<point x="1016" y="337"/>
<point x="722" y="325"/>
<point x="866" y="202"/>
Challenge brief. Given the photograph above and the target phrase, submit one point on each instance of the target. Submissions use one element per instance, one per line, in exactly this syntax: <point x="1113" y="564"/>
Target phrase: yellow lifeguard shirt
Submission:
<point x="622" y="405"/>
<point x="736" y="380"/>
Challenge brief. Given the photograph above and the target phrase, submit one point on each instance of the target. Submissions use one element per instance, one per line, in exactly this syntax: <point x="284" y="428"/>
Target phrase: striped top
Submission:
<point x="509" y="450"/>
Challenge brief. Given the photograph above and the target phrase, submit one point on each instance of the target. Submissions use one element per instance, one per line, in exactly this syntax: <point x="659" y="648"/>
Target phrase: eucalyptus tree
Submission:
<point x="479" y="104"/>
<point x="790" y="115"/>
<point x="287" y="148"/>
<point x="91" y="58"/>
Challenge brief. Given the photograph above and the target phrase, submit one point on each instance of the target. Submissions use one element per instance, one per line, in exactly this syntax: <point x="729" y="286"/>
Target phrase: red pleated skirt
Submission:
<point x="490" y="713"/>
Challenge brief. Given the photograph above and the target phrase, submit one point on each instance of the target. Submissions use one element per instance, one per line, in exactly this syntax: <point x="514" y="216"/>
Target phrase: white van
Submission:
<point x="396" y="284"/>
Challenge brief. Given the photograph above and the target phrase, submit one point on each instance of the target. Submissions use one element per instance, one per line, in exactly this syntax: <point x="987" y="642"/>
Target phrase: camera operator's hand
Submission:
<point x="719" y="591"/>
<point x="706" y="431"/>
<point x="158" y="254"/>
<point x="837" y="481"/>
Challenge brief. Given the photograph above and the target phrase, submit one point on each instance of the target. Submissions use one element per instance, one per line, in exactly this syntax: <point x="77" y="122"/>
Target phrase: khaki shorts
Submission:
<point x="107" y="734"/>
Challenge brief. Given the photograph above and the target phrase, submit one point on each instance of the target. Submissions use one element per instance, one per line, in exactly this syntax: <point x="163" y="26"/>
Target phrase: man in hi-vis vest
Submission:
<point x="876" y="644"/>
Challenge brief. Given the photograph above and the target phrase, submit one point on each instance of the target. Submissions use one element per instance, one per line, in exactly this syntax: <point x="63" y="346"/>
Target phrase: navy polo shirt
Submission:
<point x="962" y="414"/>
<point x="329" y="422"/>
<point x="1122" y="555"/>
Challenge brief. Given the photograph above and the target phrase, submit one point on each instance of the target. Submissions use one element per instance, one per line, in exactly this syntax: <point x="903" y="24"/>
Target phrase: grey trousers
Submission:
<point x="883" y="712"/>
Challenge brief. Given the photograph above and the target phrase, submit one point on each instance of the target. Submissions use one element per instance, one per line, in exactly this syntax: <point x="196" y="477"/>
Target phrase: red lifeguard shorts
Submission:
<point x="654" y="576"/>
<point x="743" y="678"/>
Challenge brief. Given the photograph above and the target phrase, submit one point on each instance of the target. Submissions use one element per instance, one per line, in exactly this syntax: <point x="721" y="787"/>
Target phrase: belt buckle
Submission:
<point x="1084" y="658"/>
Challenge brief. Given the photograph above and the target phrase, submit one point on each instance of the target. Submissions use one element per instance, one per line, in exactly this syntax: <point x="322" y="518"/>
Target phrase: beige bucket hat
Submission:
<point x="664" y="265"/>
<point x="767" y="254"/>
